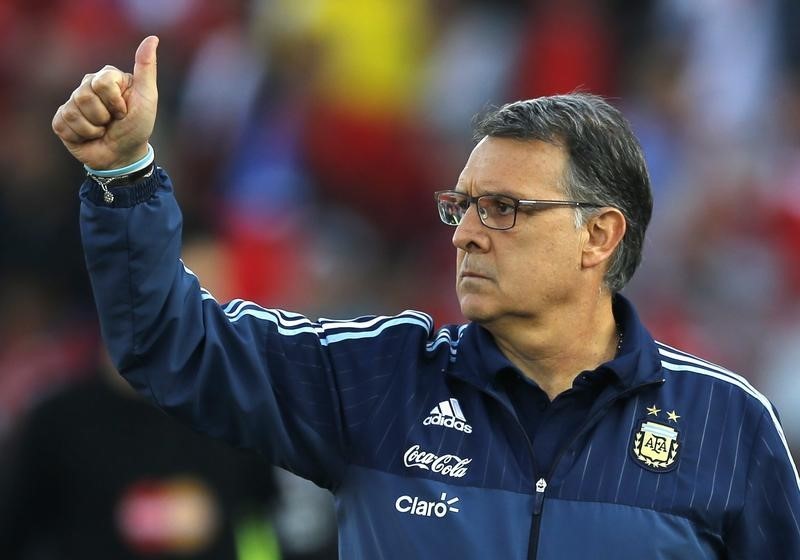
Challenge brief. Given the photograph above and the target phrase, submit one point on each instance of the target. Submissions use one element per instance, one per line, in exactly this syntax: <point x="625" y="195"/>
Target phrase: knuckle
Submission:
<point x="109" y="74"/>
<point x="101" y="83"/>
<point x="69" y="114"/>
<point x="103" y="77"/>
<point x="84" y="96"/>
<point x="61" y="129"/>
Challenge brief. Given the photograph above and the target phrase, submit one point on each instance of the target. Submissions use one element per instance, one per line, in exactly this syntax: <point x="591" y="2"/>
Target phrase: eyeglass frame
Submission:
<point x="541" y="204"/>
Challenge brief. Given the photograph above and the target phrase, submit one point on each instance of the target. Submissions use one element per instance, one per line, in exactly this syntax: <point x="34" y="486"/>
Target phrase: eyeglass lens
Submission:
<point x="495" y="211"/>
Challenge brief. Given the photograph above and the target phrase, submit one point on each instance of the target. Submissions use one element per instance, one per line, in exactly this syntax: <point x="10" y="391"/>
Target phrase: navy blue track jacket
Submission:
<point x="412" y="431"/>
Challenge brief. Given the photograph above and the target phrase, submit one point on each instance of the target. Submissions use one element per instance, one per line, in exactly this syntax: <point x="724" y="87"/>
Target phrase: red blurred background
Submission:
<point x="305" y="139"/>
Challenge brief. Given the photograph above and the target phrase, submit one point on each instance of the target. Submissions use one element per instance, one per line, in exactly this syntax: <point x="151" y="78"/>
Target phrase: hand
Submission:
<point x="108" y="119"/>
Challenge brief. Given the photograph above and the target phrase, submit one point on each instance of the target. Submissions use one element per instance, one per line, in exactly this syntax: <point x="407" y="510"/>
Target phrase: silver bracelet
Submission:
<point x="106" y="176"/>
<point x="104" y="182"/>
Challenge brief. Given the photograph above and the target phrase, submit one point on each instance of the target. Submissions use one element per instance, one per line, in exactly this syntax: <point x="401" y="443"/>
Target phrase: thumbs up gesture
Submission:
<point x="107" y="121"/>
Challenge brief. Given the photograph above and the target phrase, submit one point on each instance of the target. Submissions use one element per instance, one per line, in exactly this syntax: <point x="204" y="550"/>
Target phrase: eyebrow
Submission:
<point x="494" y="190"/>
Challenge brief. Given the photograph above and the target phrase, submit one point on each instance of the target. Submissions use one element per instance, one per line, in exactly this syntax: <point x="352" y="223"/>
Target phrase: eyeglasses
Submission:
<point x="496" y="211"/>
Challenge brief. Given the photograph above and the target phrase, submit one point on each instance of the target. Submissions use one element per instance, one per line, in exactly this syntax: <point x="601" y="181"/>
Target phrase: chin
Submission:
<point x="476" y="311"/>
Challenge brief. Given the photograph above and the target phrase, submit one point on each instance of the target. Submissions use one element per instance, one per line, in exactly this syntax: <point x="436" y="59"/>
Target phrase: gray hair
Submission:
<point x="605" y="162"/>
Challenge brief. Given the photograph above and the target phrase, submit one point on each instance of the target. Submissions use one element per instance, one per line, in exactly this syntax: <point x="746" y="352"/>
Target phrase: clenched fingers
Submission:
<point x="72" y="126"/>
<point x="109" y="84"/>
<point x="90" y="105"/>
<point x="63" y="130"/>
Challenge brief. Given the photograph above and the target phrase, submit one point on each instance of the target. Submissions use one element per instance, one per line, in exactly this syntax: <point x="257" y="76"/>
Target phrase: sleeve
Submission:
<point x="295" y="390"/>
<point x="769" y="523"/>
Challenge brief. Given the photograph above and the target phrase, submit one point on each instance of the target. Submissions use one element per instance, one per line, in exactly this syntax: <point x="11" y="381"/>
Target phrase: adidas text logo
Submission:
<point x="416" y="506"/>
<point x="448" y="414"/>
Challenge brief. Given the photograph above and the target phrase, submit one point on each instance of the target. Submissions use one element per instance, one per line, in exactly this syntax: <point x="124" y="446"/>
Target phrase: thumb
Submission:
<point x="144" y="68"/>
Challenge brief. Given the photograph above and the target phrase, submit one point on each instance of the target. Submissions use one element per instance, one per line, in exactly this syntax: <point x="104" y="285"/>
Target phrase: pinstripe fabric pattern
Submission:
<point x="411" y="429"/>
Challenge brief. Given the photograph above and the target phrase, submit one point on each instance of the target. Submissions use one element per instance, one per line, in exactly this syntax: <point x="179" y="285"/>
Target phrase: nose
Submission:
<point x="471" y="235"/>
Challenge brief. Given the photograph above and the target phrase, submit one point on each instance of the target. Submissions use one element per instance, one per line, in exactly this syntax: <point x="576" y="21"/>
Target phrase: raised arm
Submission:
<point x="294" y="389"/>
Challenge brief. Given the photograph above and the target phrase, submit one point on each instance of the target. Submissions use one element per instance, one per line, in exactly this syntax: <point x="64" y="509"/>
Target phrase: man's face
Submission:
<point x="536" y="265"/>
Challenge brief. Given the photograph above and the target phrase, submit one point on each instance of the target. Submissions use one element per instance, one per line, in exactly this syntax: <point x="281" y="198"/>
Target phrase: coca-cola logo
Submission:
<point x="445" y="465"/>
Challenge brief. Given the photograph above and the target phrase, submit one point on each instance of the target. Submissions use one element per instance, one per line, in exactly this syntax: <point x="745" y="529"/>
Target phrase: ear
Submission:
<point x="604" y="231"/>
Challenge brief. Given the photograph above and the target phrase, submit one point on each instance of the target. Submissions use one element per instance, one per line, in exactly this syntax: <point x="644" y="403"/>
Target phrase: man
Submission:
<point x="550" y="426"/>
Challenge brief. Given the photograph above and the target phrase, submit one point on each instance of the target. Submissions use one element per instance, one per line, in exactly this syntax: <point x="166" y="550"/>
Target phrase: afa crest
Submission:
<point x="655" y="446"/>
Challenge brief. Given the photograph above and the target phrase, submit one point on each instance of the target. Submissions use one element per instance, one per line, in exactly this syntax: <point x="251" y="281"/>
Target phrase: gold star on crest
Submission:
<point x="653" y="410"/>
<point x="672" y="416"/>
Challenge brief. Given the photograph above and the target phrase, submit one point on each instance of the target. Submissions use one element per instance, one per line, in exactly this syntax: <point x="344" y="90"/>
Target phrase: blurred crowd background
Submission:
<point x="305" y="139"/>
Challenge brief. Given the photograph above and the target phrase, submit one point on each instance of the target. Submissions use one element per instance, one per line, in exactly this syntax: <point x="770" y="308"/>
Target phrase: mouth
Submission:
<point x="473" y="275"/>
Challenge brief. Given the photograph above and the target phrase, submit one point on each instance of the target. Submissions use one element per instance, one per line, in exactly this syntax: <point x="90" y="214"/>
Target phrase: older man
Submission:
<point x="549" y="426"/>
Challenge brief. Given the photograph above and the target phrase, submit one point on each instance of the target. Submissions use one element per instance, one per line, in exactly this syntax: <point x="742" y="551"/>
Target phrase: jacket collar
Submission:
<point x="480" y="361"/>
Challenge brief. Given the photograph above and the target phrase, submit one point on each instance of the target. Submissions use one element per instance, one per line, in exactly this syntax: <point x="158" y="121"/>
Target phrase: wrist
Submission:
<point x="144" y="160"/>
<point x="130" y="173"/>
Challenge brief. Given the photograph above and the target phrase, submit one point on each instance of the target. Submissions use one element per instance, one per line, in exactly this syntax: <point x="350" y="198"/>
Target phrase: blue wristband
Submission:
<point x="128" y="169"/>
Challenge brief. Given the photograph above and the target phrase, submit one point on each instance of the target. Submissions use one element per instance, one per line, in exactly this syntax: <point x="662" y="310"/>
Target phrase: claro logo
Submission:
<point x="417" y="506"/>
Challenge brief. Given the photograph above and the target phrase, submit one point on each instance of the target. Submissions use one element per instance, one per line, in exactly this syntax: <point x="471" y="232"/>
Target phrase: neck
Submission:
<point x="554" y="347"/>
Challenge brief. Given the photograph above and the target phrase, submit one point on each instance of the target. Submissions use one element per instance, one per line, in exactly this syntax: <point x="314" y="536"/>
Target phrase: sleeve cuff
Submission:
<point x="125" y="196"/>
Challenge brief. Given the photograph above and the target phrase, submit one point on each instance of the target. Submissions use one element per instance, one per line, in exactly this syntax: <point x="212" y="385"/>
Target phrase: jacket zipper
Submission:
<point x="541" y="484"/>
